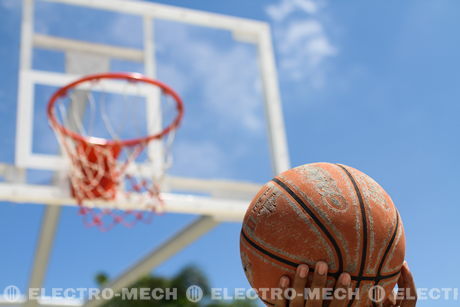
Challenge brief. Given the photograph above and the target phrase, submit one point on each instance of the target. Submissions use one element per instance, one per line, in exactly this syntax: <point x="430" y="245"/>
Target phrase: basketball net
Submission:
<point x="107" y="171"/>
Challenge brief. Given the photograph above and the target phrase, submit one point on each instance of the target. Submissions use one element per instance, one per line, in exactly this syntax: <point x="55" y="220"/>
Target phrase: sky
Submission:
<point x="373" y="85"/>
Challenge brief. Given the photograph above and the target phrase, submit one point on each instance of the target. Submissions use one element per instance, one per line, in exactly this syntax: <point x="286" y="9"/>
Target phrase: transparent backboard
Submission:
<point x="222" y="67"/>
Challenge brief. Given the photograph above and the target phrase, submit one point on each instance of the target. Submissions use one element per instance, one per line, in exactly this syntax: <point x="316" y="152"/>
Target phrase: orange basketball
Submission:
<point x="323" y="212"/>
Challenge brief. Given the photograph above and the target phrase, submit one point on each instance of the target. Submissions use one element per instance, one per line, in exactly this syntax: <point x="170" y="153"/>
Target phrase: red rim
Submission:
<point x="126" y="76"/>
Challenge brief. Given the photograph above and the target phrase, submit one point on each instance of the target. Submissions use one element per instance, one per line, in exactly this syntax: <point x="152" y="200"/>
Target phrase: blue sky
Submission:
<point x="371" y="85"/>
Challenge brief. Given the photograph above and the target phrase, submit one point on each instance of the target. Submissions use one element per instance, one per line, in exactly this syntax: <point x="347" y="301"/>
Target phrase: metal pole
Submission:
<point x="43" y="251"/>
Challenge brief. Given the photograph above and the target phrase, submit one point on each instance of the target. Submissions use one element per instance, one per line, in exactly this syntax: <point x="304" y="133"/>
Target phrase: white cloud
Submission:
<point x="307" y="6"/>
<point x="298" y="31"/>
<point x="284" y="8"/>
<point x="126" y="29"/>
<point x="233" y="97"/>
<point x="199" y="159"/>
<point x="228" y="78"/>
<point x="301" y="39"/>
<point x="177" y="80"/>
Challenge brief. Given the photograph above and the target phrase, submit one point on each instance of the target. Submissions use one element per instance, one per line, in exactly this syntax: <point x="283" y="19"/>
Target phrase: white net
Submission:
<point x="105" y="128"/>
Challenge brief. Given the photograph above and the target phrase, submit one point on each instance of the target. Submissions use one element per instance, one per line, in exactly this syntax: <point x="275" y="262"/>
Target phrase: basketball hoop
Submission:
<point x="105" y="167"/>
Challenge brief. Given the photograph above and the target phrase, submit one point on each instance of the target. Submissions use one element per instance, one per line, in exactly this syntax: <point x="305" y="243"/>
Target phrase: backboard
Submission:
<point x="231" y="140"/>
<point x="222" y="66"/>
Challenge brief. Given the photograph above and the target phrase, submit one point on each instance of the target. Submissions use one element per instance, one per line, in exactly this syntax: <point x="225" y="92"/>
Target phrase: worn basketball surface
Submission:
<point x="328" y="212"/>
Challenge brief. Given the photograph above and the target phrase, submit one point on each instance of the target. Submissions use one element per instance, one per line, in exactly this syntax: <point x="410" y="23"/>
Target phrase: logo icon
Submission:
<point x="12" y="294"/>
<point x="376" y="294"/>
<point x="194" y="294"/>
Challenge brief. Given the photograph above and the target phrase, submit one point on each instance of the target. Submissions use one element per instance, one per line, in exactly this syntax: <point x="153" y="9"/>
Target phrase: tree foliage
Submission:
<point x="188" y="276"/>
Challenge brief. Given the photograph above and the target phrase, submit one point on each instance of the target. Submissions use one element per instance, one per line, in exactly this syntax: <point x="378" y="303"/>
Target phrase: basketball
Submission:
<point x="323" y="212"/>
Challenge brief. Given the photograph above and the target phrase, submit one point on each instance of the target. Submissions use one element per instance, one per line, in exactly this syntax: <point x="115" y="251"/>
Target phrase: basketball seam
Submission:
<point x="387" y="250"/>
<point x="315" y="219"/>
<point x="390" y="244"/>
<point x="364" y="226"/>
<point x="295" y="265"/>
<point x="270" y="254"/>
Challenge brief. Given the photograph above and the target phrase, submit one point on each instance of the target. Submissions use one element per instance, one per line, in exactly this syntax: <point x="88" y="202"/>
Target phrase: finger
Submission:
<point x="300" y="281"/>
<point x="406" y="281"/>
<point x="280" y="301"/>
<point x="341" y="291"/>
<point x="378" y="296"/>
<point x="390" y="300"/>
<point x="317" y="285"/>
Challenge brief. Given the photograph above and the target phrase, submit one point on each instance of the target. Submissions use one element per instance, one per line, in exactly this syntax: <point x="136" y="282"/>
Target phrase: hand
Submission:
<point x="318" y="282"/>
<point x="409" y="295"/>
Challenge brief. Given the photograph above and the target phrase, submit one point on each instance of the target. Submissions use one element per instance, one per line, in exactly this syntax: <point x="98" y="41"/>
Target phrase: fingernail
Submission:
<point x="322" y="268"/>
<point x="302" y="270"/>
<point x="284" y="282"/>
<point x="345" y="279"/>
